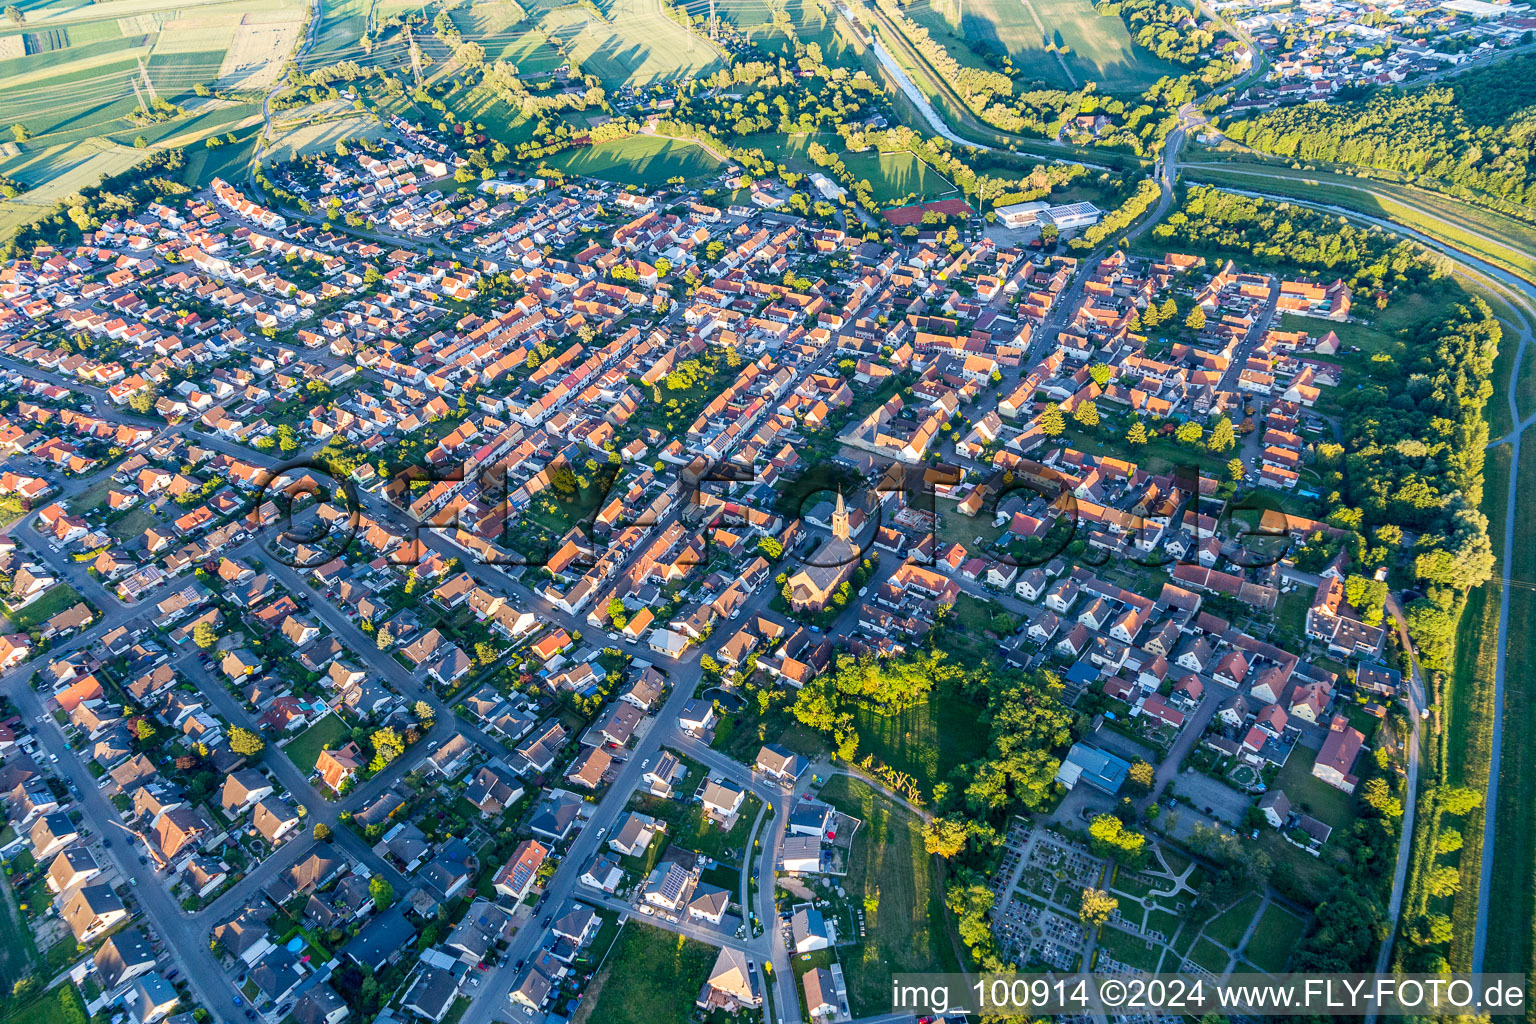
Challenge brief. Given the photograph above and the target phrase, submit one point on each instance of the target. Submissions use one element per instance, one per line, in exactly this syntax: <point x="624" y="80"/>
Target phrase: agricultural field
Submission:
<point x="634" y="43"/>
<point x="1511" y="944"/>
<point x="486" y="19"/>
<point x="97" y="52"/>
<point x="809" y="21"/>
<point x="1087" y="47"/>
<point x="68" y="74"/>
<point x="56" y="172"/>
<point x="342" y="24"/>
<point x="314" y="137"/>
<point x="640" y="159"/>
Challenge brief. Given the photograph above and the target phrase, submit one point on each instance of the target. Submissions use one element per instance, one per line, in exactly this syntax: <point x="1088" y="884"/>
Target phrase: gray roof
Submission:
<point x="808" y="922"/>
<point x="127" y="949"/>
<point x="379" y="938"/>
<point x="314" y="1005"/>
<point x="432" y="992"/>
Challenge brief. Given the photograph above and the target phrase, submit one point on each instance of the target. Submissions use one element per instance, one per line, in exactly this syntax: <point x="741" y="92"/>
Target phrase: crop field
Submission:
<point x="257" y="48"/>
<point x="57" y="172"/>
<point x="76" y="76"/>
<point x="641" y="160"/>
<point x="68" y="76"/>
<point x="633" y="43"/>
<point x="313" y="138"/>
<point x="525" y="45"/>
<point x="487" y="19"/>
<point x="342" y="24"/>
<point x="817" y="22"/>
<point x="1089" y="47"/>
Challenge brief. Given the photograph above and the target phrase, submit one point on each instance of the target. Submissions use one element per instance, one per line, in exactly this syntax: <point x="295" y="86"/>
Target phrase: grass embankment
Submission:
<point x="1511" y="942"/>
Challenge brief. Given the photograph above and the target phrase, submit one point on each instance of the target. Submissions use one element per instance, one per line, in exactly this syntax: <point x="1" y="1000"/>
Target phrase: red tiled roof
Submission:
<point x="902" y="216"/>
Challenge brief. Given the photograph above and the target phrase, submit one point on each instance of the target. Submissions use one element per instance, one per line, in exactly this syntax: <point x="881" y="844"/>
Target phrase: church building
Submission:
<point x="828" y="568"/>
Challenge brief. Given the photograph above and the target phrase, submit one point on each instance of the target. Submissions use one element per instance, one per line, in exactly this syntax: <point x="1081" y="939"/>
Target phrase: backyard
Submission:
<point x="1312" y="794"/>
<point x="56" y="599"/>
<point x="304" y="749"/>
<point x="687" y="826"/>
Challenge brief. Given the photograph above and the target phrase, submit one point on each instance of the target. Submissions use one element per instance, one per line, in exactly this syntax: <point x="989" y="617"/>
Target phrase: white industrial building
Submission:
<point x="1073" y="215"/>
<point x="1021" y="215"/>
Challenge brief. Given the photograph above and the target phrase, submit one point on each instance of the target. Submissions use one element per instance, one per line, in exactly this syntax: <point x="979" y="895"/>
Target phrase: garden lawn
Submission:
<point x="56" y="599"/>
<point x="304" y="749"/>
<point x="658" y="975"/>
<point x="1308" y="792"/>
<point x="17" y="956"/>
<point x="1276" y="935"/>
<point x="132" y="525"/>
<point x="687" y="826"/>
<point x="896" y="882"/>
<point x="45" y="1009"/>
<point x="741" y="735"/>
<point x="978" y="616"/>
<point x="1367" y="337"/>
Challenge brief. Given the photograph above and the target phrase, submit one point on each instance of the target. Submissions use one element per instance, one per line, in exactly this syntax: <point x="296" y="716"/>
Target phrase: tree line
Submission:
<point x="1476" y="132"/>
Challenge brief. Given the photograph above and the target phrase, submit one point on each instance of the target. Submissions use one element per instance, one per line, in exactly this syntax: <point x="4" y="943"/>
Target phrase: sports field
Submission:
<point x="1089" y="47"/>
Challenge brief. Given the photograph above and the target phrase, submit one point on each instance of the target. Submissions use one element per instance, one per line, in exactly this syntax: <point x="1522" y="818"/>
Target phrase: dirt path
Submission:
<point x="1057" y="53"/>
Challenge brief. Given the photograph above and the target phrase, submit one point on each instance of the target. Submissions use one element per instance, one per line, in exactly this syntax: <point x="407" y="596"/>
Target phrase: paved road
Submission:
<point x="1414" y="698"/>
